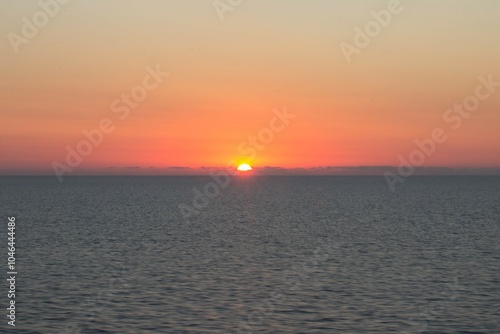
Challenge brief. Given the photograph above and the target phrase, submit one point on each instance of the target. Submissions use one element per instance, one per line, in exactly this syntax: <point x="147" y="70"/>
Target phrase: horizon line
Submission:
<point x="271" y="171"/>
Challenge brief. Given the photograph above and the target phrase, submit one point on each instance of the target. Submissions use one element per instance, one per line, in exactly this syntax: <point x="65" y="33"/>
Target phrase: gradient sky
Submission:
<point x="226" y="77"/>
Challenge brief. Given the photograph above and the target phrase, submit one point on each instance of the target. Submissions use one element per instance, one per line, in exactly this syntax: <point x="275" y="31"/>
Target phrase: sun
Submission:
<point x="244" y="168"/>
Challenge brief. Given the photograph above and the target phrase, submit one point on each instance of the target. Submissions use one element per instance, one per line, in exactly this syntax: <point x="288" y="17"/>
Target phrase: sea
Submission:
<point x="252" y="254"/>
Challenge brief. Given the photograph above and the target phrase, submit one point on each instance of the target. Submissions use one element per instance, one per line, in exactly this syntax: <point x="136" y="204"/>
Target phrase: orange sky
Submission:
<point x="227" y="76"/>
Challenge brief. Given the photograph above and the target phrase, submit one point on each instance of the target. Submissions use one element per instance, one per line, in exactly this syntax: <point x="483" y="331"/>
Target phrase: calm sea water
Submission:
<point x="267" y="255"/>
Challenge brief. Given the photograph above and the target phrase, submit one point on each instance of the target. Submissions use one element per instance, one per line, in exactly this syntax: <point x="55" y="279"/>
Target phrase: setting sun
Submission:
<point x="244" y="168"/>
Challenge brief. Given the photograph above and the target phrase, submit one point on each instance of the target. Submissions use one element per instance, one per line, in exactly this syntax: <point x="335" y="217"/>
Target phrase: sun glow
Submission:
<point x="244" y="168"/>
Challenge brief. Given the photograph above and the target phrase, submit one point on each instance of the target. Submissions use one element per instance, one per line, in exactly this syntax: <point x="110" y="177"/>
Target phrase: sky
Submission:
<point x="185" y="86"/>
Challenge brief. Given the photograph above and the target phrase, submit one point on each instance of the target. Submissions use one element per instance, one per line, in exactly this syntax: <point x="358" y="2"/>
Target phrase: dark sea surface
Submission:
<point x="265" y="255"/>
